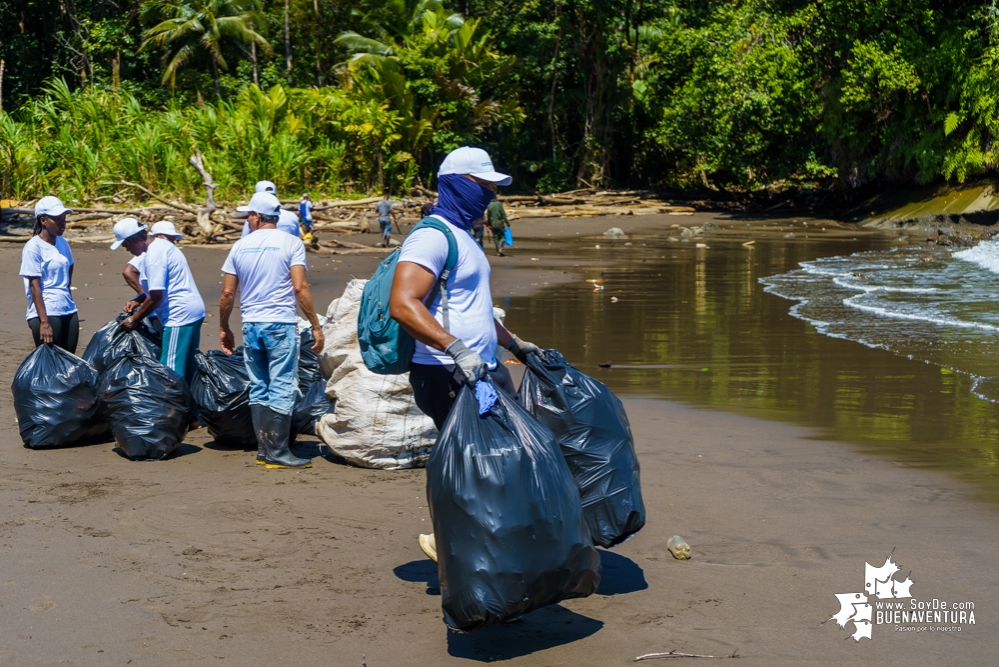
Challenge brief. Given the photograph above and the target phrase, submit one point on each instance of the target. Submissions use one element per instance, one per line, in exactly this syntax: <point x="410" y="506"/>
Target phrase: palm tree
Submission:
<point x="191" y="29"/>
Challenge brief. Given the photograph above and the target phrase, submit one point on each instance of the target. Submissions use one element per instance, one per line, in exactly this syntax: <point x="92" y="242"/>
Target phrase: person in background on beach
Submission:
<point x="446" y="359"/>
<point x="268" y="269"/>
<point x="132" y="235"/>
<point x="174" y="297"/>
<point x="498" y="223"/>
<point x="47" y="270"/>
<point x="479" y="230"/>
<point x="385" y="216"/>
<point x="305" y="217"/>
<point x="288" y="221"/>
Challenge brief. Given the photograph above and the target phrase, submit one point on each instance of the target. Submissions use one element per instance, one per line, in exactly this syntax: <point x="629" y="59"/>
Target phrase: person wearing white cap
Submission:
<point x="131" y="234"/>
<point x="47" y="270"/>
<point x="287" y="221"/>
<point x="465" y="353"/>
<point x="174" y="297"/>
<point x="268" y="268"/>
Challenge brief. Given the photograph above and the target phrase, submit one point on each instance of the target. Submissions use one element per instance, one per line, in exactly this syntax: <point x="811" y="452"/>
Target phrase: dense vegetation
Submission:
<point x="364" y="94"/>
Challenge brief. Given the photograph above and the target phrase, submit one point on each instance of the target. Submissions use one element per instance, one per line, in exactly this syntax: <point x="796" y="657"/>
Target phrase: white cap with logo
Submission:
<point x="51" y="206"/>
<point x="263" y="203"/>
<point x="166" y="228"/>
<point x="265" y="186"/>
<point x="125" y="228"/>
<point x="474" y="162"/>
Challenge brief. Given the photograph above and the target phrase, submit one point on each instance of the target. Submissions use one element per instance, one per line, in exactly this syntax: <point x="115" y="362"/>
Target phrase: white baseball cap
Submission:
<point x="265" y="186"/>
<point x="474" y="162"/>
<point x="51" y="206"/>
<point x="125" y="228"/>
<point x="166" y="228"/>
<point x="263" y="203"/>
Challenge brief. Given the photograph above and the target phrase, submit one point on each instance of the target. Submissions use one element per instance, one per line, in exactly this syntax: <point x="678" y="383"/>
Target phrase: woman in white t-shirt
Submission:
<point x="47" y="269"/>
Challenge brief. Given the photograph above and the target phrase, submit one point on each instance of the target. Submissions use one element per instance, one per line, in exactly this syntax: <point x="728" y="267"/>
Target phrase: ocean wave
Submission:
<point x="985" y="255"/>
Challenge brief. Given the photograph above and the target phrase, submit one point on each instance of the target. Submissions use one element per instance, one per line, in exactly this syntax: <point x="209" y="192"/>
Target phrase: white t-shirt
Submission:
<point x="51" y="263"/>
<point x="287" y="222"/>
<point x="167" y="270"/>
<point x="262" y="263"/>
<point x="140" y="265"/>
<point x="470" y="302"/>
<point x="139" y="262"/>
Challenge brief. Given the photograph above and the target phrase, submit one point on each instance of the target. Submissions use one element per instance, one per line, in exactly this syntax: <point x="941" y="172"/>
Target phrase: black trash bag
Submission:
<point x="312" y="404"/>
<point x="55" y="399"/>
<point x="507" y="516"/>
<point x="147" y="405"/>
<point x="595" y="436"/>
<point x="111" y="342"/>
<point x="220" y="387"/>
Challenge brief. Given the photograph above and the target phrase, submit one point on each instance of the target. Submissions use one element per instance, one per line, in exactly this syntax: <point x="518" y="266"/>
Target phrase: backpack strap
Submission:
<point x="449" y="265"/>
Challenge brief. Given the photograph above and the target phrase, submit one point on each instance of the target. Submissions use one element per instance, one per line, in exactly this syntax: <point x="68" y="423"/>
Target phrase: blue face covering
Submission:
<point x="460" y="201"/>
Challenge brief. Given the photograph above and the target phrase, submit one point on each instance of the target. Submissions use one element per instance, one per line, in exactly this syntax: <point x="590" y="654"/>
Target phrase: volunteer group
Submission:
<point x="267" y="267"/>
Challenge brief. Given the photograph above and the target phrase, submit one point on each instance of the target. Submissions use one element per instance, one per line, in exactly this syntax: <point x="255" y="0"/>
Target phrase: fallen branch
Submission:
<point x="179" y="207"/>
<point x="675" y="654"/>
<point x="205" y="213"/>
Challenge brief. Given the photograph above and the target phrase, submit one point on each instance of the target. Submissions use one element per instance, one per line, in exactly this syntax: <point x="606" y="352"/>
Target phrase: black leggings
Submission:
<point x="436" y="387"/>
<point x="65" y="331"/>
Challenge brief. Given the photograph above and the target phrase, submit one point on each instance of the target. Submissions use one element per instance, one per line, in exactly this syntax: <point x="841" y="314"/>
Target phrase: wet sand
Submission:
<point x="206" y="557"/>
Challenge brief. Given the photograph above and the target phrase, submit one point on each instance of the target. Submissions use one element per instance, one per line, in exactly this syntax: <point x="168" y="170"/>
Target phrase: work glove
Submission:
<point x="520" y="348"/>
<point x="469" y="363"/>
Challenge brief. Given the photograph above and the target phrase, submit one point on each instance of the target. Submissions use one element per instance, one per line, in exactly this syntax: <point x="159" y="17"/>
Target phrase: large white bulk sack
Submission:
<point x="376" y="423"/>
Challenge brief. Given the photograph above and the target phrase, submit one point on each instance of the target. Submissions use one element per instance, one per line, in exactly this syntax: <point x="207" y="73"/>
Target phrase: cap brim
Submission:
<point x="117" y="244"/>
<point x="494" y="177"/>
<point x="241" y="213"/>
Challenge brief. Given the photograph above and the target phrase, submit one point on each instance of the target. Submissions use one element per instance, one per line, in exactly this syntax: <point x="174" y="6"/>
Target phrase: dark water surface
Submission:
<point x="695" y="325"/>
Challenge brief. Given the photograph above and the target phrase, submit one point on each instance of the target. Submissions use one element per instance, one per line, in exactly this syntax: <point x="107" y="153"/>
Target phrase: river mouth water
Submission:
<point x="714" y="328"/>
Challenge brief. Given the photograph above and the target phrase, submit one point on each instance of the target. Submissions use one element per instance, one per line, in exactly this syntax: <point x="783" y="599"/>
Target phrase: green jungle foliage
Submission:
<point x="369" y="94"/>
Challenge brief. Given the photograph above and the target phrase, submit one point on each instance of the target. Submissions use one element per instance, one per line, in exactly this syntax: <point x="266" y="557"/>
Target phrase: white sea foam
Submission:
<point x="924" y="304"/>
<point x="985" y="255"/>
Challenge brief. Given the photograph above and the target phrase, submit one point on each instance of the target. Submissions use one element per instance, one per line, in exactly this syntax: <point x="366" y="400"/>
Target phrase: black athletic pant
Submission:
<point x="436" y="387"/>
<point x="65" y="331"/>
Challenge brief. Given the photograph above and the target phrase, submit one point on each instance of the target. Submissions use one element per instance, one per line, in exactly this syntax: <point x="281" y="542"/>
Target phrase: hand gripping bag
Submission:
<point x="595" y="436"/>
<point x="55" y="399"/>
<point x="312" y="404"/>
<point x="146" y="404"/>
<point x="507" y="517"/>
<point x="220" y="387"/>
<point x="111" y="342"/>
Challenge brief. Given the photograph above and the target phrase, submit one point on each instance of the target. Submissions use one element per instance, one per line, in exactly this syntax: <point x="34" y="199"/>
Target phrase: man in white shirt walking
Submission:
<point x="287" y="220"/>
<point x="174" y="297"/>
<point x="465" y="353"/>
<point x="268" y="268"/>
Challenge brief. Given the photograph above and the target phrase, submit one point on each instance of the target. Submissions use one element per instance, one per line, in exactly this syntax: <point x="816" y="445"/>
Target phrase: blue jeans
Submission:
<point x="270" y="350"/>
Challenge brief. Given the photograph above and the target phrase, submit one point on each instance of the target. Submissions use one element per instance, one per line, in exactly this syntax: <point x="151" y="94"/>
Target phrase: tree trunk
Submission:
<point x="1" y="83"/>
<point x="215" y="77"/>
<point x="205" y="222"/>
<point x="116" y="70"/>
<point x="287" y="35"/>
<point x="551" y="97"/>
<point x="253" y="58"/>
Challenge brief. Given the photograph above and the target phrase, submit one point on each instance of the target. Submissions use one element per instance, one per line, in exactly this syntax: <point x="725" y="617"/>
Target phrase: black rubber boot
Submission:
<point x="277" y="436"/>
<point x="257" y="415"/>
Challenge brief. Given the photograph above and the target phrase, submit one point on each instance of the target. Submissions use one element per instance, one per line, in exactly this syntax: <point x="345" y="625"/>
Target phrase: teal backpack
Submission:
<point x="386" y="347"/>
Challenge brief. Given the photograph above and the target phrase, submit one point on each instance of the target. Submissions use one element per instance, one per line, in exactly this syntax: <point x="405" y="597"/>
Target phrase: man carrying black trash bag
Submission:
<point x="268" y="268"/>
<point x="444" y="359"/>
